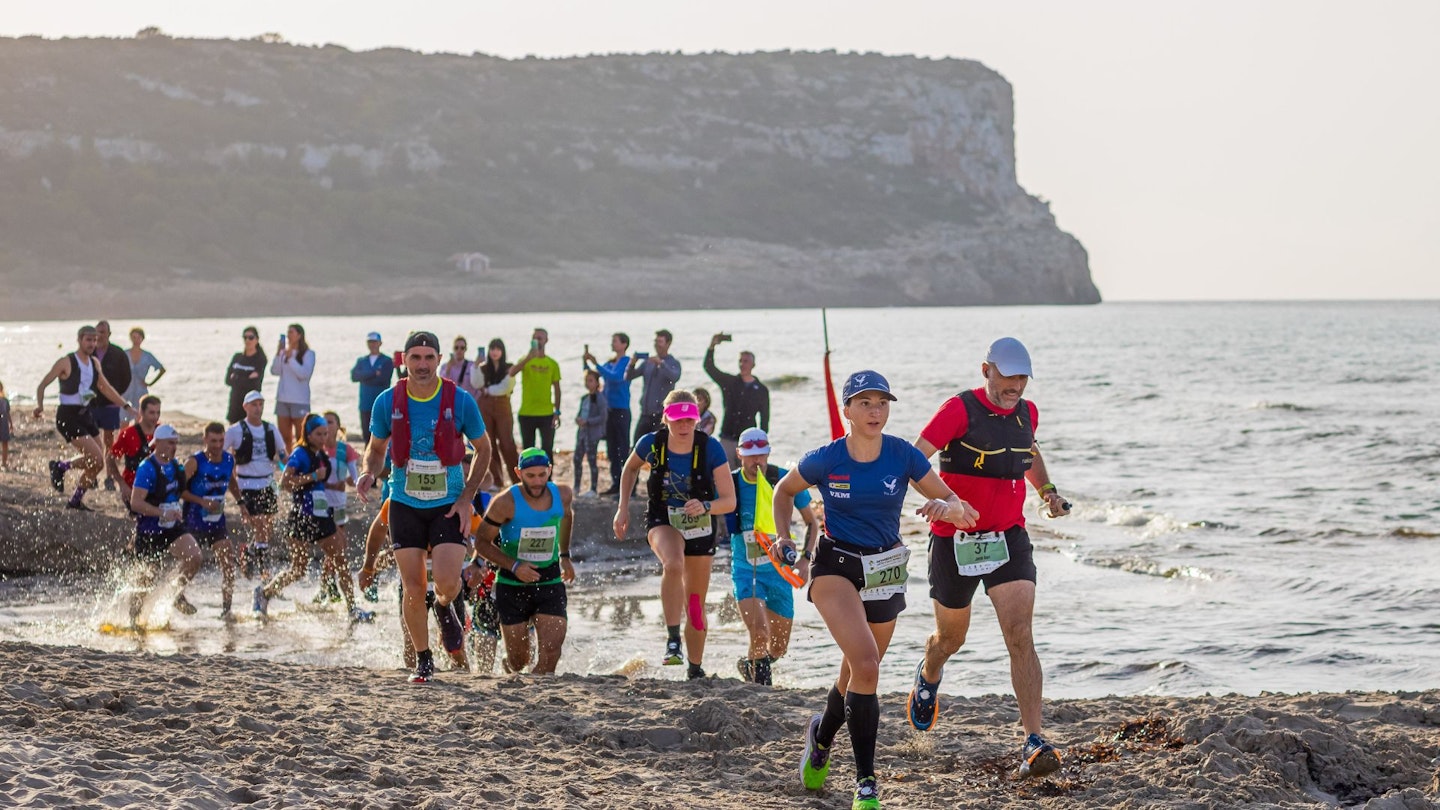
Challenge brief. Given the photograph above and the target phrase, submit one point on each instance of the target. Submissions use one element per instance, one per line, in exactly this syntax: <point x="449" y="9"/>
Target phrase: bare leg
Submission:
<point x="669" y="549"/>
<point x="697" y="586"/>
<point x="1015" y="608"/>
<point x="334" y="549"/>
<point x="550" y="635"/>
<point x="411" y="562"/>
<point x="951" y="627"/>
<point x="225" y="557"/>
<point x="299" y="558"/>
<point x="757" y="624"/>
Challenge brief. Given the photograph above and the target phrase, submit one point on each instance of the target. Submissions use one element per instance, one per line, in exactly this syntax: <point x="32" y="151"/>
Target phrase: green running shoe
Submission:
<point x="867" y="795"/>
<point x="816" y="764"/>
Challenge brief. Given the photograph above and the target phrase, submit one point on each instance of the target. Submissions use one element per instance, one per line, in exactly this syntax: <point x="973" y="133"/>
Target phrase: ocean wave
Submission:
<point x="1392" y="379"/>
<point x="1412" y="534"/>
<point x="1134" y="564"/>
<point x="1279" y="406"/>
<point x="1133" y="516"/>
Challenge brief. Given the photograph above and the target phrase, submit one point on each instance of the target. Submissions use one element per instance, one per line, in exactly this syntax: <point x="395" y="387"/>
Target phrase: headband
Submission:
<point x="315" y="421"/>
<point x="534" y="457"/>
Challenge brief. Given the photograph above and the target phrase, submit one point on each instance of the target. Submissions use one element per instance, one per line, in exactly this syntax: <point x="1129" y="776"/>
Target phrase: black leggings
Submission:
<point x="545" y="427"/>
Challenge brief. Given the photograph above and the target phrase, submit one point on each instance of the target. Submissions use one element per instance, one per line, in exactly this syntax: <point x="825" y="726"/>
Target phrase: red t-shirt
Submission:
<point x="127" y="443"/>
<point x="1000" y="501"/>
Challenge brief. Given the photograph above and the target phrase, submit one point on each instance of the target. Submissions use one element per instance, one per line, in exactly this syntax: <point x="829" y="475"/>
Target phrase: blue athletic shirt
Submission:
<point x="146" y="478"/>
<point x="424" y="414"/>
<point x="305" y="499"/>
<point x="863" y="501"/>
<point x="677" y="489"/>
<point x="745" y="516"/>
<point x="211" y="480"/>
<point x="617" y="388"/>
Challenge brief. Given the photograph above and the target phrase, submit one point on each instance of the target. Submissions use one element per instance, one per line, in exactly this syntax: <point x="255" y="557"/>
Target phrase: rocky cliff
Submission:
<point x="842" y="179"/>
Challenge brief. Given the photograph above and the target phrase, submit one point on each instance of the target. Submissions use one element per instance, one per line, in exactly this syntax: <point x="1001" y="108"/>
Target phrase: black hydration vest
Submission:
<point x="702" y="482"/>
<point x="245" y="453"/>
<point x="132" y="463"/>
<point x="156" y="495"/>
<point x="71" y="384"/>
<point x="994" y="446"/>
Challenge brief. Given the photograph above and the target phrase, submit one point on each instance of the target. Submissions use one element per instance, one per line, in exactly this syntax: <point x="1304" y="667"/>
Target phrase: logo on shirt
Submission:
<point x="834" y="485"/>
<point x="891" y="484"/>
<point x="839" y="478"/>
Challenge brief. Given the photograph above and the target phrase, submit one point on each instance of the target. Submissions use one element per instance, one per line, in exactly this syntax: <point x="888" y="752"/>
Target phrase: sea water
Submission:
<point x="1256" y="487"/>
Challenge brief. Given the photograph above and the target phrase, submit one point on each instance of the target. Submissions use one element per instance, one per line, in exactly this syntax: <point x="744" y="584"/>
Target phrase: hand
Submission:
<point x="621" y="522"/>
<point x="472" y="574"/>
<point x="214" y="506"/>
<point x="555" y="421"/>
<point x="525" y="572"/>
<point x="39" y="412"/>
<point x="254" y="375"/>
<point x="717" y="339"/>
<point x="803" y="567"/>
<point x="362" y="487"/>
<point x="463" y="510"/>
<point x="694" y="508"/>
<point x="567" y="571"/>
<point x="132" y="413"/>
<point x="365" y="578"/>
<point x="1057" y="505"/>
<point x="579" y="421"/>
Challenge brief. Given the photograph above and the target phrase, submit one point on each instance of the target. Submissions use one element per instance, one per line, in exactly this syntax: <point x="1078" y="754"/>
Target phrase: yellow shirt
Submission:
<point x="536" y="382"/>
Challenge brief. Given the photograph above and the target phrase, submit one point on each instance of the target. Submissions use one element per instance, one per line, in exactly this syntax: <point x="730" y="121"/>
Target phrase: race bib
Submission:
<point x="169" y="515"/>
<point x="753" y="552"/>
<point x="885" y="573"/>
<point x="690" y="528"/>
<point x="978" y="554"/>
<point x="210" y="517"/>
<point x="537" y="544"/>
<point x="426" y="480"/>
<point x="319" y="504"/>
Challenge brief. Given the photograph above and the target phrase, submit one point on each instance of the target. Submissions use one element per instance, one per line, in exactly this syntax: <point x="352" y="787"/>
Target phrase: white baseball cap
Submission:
<point x="759" y="443"/>
<point x="164" y="433"/>
<point x="254" y="396"/>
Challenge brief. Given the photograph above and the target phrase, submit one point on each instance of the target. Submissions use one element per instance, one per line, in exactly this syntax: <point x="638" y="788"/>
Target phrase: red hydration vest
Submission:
<point x="449" y="444"/>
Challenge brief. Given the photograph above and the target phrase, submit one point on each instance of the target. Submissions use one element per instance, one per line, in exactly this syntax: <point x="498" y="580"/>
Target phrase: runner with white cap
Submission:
<point x="986" y="439"/>
<point x="257" y="447"/>
<point x="766" y="600"/>
<point x="689" y="484"/>
<point x="859" y="570"/>
<point x="159" y="530"/>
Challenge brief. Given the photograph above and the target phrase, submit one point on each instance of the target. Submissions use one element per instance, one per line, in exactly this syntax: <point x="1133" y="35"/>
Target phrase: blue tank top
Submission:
<point x="532" y="535"/>
<point x="212" y="479"/>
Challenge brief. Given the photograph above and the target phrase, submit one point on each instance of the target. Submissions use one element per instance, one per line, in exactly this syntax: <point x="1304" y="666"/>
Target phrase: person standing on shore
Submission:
<point x="256" y="445"/>
<point x="155" y="500"/>
<point x="531" y="521"/>
<point x="311" y="521"/>
<point x="142" y="363"/>
<point x="496" y="387"/>
<point x="372" y="372"/>
<point x="859" y="568"/>
<point x="424" y="422"/>
<point x="116" y="366"/>
<point x="81" y="382"/>
<point x="294" y="364"/>
<point x="661" y="372"/>
<point x="132" y="446"/>
<point x="746" y="400"/>
<point x="245" y="373"/>
<point x="4" y="429"/>
<point x="209" y="474"/>
<point x="689" y="484"/>
<point x="539" y="395"/>
<point x="589" y="431"/>
<point x="986" y="439"/>
<point x="458" y="369"/>
<point x="766" y="600"/>
<point x="617" y="402"/>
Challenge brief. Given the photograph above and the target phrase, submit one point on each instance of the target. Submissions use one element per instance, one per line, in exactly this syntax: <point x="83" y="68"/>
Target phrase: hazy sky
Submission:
<point x="1264" y="149"/>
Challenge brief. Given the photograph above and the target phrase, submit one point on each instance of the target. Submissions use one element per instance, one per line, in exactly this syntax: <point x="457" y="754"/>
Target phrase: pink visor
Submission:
<point x="676" y="411"/>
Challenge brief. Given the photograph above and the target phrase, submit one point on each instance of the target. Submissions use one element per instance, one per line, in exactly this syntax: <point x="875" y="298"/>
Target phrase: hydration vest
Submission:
<point x="155" y="496"/>
<point x="132" y="462"/>
<point x="994" y="446"/>
<point x="734" y="521"/>
<point x="449" y="444"/>
<point x="245" y="453"/>
<point x="70" y="393"/>
<point x="702" y="483"/>
<point x="212" y="478"/>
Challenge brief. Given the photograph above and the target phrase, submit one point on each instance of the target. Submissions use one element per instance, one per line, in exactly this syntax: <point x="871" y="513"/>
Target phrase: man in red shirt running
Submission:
<point x="986" y="439"/>
<point x="132" y="446"/>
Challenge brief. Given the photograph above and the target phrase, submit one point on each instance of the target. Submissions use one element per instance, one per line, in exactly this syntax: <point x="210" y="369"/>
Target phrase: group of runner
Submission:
<point x="429" y="434"/>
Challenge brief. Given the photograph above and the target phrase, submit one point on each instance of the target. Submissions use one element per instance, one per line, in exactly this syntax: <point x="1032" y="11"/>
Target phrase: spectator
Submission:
<point x="746" y="399"/>
<point x="706" y="424"/>
<point x="4" y="429"/>
<point x="497" y="384"/>
<point x="661" y="372"/>
<point x="590" y="429"/>
<point x="373" y="373"/>
<point x="458" y="368"/>
<point x="141" y="364"/>
<point x="617" y="402"/>
<point x="294" y="364"/>
<point x="245" y="374"/>
<point x="539" y="395"/>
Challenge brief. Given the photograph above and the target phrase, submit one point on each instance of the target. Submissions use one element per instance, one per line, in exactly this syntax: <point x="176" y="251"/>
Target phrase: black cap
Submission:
<point x="426" y="339"/>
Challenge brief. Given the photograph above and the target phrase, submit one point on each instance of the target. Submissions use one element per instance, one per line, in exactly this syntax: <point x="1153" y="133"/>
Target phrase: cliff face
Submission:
<point x="870" y="179"/>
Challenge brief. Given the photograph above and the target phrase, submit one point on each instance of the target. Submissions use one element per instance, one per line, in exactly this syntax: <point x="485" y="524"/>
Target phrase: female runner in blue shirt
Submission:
<point x="858" y="572"/>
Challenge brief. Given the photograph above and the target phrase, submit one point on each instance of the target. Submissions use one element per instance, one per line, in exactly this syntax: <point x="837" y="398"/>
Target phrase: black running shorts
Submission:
<point x="260" y="501"/>
<point x="411" y="527"/>
<point x="155" y="546"/>
<point x="75" y="422"/>
<point x="518" y="604"/>
<point x="309" y="528"/>
<point x="954" y="591"/>
<point x="836" y="559"/>
<point x="694" y="547"/>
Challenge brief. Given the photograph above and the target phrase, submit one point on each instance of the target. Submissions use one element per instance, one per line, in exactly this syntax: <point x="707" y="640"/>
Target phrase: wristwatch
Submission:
<point x="707" y="506"/>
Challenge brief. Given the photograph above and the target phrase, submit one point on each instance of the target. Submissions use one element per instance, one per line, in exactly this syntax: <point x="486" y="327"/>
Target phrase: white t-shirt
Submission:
<point x="260" y="471"/>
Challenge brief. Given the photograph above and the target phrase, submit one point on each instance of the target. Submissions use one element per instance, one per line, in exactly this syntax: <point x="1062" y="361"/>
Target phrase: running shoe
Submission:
<point x="924" y="703"/>
<point x="816" y="764"/>
<point x="261" y="605"/>
<point x="78" y="506"/>
<point x="1038" y="757"/>
<point x="109" y="484"/>
<point x="746" y="672"/>
<point x="182" y="605"/>
<point x="452" y="631"/>
<point x="672" y="653"/>
<point x="359" y="616"/>
<point x="867" y="795"/>
<point x="57" y="476"/>
<point x="372" y="593"/>
<point x="694" y="673"/>
<point x="332" y="590"/>
<point x="424" y="669"/>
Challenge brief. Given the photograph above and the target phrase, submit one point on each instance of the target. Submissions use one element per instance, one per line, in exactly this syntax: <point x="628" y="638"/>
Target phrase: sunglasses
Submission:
<point x="758" y="443"/>
<point x="252" y="337"/>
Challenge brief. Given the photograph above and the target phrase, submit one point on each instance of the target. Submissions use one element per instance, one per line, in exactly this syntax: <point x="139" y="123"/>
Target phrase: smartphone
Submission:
<point x="534" y="344"/>
<point x="642" y="355"/>
<point x="282" y="338"/>
<point x="724" y="336"/>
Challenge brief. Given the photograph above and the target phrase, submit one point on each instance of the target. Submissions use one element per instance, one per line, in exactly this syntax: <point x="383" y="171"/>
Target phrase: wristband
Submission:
<point x="514" y="566"/>
<point x="564" y="555"/>
<point x="1048" y="488"/>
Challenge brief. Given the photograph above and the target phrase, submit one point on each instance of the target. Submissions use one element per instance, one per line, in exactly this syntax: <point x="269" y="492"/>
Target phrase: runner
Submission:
<point x="532" y="520"/>
<point x="767" y="601"/>
<point x="311" y="520"/>
<point x="256" y="445"/>
<point x="209" y="474"/>
<point x="424" y="422"/>
<point x="155" y="499"/>
<point x="987" y="456"/>
<point x="132" y="446"/>
<point x="344" y="469"/>
<point x="689" y="484"/>
<point x="857" y="578"/>
<point x="81" y="381"/>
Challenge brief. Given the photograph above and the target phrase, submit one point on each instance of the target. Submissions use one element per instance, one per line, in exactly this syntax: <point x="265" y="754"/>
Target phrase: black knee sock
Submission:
<point x="674" y="631"/>
<point x="832" y="719"/>
<point x="760" y="670"/>
<point x="862" y="715"/>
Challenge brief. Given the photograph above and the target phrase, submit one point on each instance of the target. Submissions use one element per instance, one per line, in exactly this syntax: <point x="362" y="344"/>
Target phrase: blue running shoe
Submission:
<point x="924" y="703"/>
<point x="1038" y="758"/>
<point x="816" y="764"/>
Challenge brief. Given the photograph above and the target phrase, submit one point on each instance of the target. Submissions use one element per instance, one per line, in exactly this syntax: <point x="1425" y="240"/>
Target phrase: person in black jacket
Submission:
<point x="245" y="374"/>
<point x="115" y="365"/>
<point x="746" y="399"/>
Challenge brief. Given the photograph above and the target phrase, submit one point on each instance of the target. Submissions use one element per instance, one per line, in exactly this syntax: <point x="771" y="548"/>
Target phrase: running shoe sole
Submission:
<point x="811" y="777"/>
<point x="1043" y="761"/>
<point x="57" y="476"/>
<point x="912" y="703"/>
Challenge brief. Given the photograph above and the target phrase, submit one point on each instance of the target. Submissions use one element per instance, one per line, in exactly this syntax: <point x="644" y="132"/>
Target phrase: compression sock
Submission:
<point x="862" y="715"/>
<point x="673" y="631"/>
<point x="62" y="466"/>
<point x="78" y="496"/>
<point x="832" y="719"/>
<point x="761" y="668"/>
<point x="694" y="671"/>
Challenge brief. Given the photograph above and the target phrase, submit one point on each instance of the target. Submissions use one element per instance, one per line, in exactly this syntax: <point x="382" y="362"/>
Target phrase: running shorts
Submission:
<point x="75" y="422"/>
<point x="518" y="604"/>
<point x="426" y="528"/>
<point x="954" y="591"/>
<point x="836" y="559"/>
